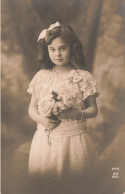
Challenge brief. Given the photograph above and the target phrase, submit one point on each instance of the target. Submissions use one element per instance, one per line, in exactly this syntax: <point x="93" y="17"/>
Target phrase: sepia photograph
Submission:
<point x="62" y="97"/>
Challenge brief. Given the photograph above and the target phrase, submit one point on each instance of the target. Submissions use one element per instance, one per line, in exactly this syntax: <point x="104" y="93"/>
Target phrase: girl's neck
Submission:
<point x="63" y="68"/>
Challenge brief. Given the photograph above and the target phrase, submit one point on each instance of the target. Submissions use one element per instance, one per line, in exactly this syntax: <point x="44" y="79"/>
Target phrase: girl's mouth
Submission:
<point x="58" y="59"/>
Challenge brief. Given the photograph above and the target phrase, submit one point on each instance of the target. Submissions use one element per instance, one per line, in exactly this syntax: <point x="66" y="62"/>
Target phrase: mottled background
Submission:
<point x="100" y="25"/>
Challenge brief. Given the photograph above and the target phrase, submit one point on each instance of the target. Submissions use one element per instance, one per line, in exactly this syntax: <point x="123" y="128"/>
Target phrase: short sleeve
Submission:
<point x="88" y="85"/>
<point x="34" y="82"/>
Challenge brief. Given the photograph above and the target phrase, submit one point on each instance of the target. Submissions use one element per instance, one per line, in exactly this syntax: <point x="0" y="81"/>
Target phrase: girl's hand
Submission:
<point x="49" y="123"/>
<point x="90" y="112"/>
<point x="73" y="114"/>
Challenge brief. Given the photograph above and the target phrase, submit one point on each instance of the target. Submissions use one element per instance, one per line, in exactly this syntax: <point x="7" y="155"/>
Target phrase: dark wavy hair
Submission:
<point x="68" y="35"/>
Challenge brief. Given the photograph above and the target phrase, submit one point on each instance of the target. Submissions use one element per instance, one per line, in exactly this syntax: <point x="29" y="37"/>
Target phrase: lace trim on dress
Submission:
<point x="37" y="83"/>
<point x="88" y="85"/>
<point x="42" y="82"/>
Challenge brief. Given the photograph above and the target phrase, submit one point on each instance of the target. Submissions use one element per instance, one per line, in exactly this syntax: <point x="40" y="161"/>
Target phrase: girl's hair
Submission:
<point x="69" y="36"/>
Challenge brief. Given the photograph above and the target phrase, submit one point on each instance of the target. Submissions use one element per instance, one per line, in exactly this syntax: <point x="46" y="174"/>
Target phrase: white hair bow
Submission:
<point x="43" y="33"/>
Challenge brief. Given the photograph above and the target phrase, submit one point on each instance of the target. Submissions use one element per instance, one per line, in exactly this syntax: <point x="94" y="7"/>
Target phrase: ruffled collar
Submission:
<point x="62" y="74"/>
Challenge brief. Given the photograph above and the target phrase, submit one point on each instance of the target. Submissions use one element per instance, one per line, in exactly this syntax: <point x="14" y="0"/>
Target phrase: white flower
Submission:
<point x="61" y="106"/>
<point x="55" y="109"/>
<point x="45" y="107"/>
<point x="77" y="79"/>
<point x="42" y="35"/>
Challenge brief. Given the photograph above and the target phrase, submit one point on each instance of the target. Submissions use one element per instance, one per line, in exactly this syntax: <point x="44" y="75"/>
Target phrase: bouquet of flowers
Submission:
<point x="68" y="96"/>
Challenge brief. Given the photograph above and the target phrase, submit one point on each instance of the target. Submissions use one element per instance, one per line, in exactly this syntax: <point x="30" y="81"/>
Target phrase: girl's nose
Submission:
<point x="58" y="53"/>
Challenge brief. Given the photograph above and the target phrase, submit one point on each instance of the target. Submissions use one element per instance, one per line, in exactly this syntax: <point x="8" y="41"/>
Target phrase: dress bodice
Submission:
<point x="71" y="89"/>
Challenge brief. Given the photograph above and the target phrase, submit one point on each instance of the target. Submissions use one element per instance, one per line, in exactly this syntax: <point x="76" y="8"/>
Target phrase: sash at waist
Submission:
<point x="66" y="128"/>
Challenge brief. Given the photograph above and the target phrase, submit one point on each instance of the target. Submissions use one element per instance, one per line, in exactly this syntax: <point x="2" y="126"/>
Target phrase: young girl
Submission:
<point x="63" y="98"/>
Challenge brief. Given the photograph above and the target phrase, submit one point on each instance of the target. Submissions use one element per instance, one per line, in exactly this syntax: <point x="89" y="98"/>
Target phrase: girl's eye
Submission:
<point x="63" y="48"/>
<point x="52" y="50"/>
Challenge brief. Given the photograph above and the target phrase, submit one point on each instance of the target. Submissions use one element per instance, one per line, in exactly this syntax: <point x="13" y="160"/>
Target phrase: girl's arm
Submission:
<point x="87" y="113"/>
<point x="33" y="113"/>
<point x="35" y="116"/>
<point x="92" y="109"/>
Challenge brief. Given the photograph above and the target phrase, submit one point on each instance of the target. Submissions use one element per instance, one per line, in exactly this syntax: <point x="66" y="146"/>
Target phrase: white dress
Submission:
<point x="71" y="155"/>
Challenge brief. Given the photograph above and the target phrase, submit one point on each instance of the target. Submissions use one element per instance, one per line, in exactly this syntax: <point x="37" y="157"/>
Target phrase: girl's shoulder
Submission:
<point x="83" y="74"/>
<point x="87" y="83"/>
<point x="41" y="73"/>
<point x="37" y="79"/>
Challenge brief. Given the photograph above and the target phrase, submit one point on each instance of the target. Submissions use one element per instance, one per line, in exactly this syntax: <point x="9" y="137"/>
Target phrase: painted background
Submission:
<point x="100" y="26"/>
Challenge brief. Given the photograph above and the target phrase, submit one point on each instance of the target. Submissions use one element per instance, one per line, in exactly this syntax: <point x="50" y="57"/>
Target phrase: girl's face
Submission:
<point x="59" y="52"/>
